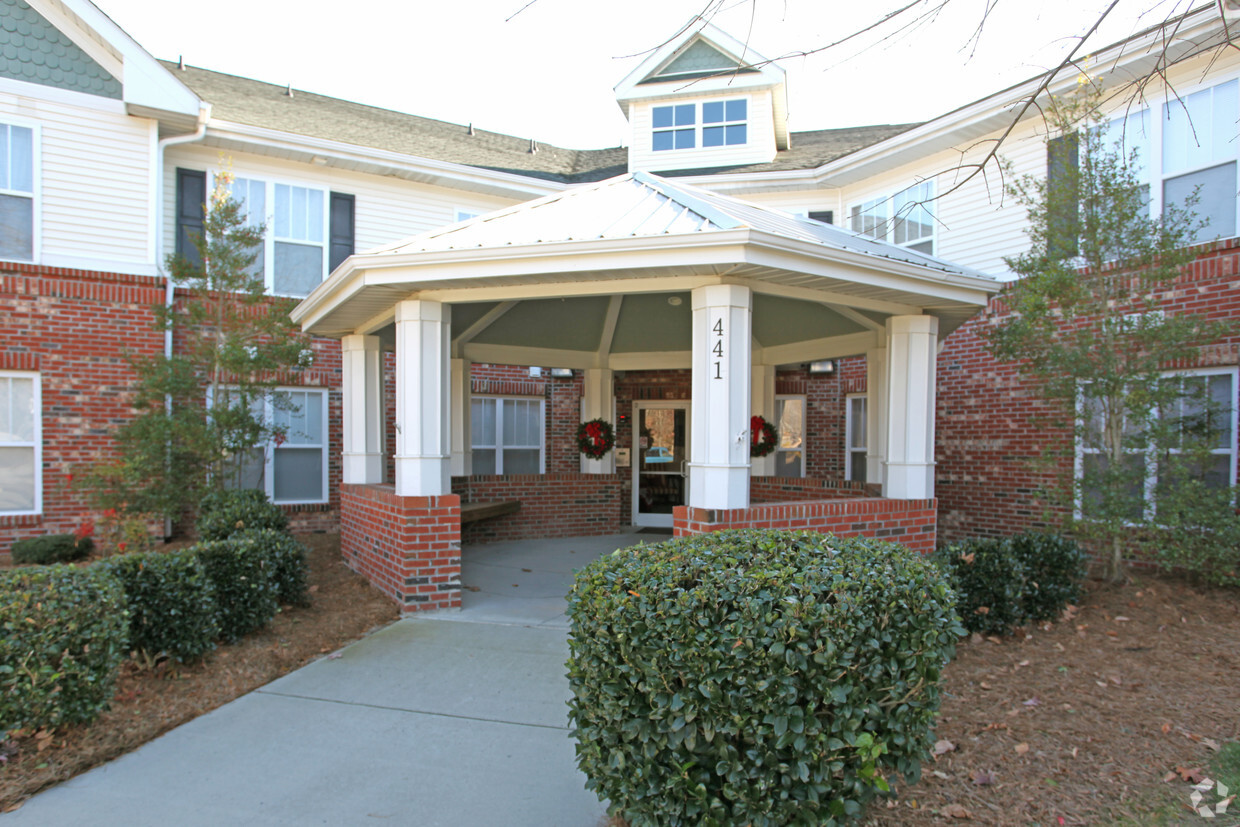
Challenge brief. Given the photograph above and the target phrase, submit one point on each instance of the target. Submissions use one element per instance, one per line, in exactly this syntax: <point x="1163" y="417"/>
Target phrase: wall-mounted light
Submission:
<point x="823" y="367"/>
<point x="561" y="373"/>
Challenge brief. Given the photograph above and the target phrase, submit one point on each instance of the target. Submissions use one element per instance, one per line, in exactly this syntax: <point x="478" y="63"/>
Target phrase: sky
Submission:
<point x="545" y="69"/>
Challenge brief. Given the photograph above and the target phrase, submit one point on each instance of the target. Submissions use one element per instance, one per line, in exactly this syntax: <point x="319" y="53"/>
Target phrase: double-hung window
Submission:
<point x="17" y="192"/>
<point x="21" y="489"/>
<point x="856" y="442"/>
<point x="790" y="430"/>
<point x="1199" y="152"/>
<point x="291" y="468"/>
<point x="1201" y="442"/>
<point x="903" y="218"/>
<point x="722" y="123"/>
<point x="506" y="435"/>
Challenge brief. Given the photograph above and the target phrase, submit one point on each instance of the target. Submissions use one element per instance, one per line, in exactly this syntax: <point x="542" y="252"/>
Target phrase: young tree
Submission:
<point x="1087" y="322"/>
<point x="201" y="411"/>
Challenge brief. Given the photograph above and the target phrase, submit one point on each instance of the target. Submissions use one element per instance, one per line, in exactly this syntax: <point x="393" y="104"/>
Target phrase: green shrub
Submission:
<point x="1198" y="532"/>
<point x="755" y="678"/>
<point x="172" y="605"/>
<point x="51" y="548"/>
<point x="287" y="560"/>
<point x="62" y="637"/>
<point x="245" y="592"/>
<point x="225" y="513"/>
<point x="1054" y="568"/>
<point x="989" y="581"/>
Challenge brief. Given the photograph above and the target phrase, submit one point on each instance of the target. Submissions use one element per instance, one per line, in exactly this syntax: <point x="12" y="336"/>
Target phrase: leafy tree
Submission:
<point x="200" y="421"/>
<point x="1086" y="321"/>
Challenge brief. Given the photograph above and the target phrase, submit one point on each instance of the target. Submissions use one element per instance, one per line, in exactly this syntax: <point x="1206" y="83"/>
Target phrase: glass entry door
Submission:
<point x="660" y="461"/>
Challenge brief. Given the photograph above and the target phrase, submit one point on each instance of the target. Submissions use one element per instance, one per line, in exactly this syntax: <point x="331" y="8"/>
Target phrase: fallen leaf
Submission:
<point x="1021" y="749"/>
<point x="956" y="811"/>
<point x="1210" y="743"/>
<point x="334" y="656"/>
<point x="1023" y="663"/>
<point x="1115" y="679"/>
<point x="1112" y="633"/>
<point x="944" y="746"/>
<point x="1193" y="775"/>
<point x="994" y="639"/>
<point x="313" y="589"/>
<point x="982" y="610"/>
<point x="1171" y="776"/>
<point x="1122" y="619"/>
<point x="1032" y="702"/>
<point x="983" y="778"/>
<point x="1166" y="728"/>
<point x="1103" y="684"/>
<point x="944" y="776"/>
<point x="985" y="685"/>
<point x="968" y="558"/>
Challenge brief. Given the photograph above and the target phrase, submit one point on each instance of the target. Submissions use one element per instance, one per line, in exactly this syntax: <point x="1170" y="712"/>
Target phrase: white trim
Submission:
<point x="54" y="94"/>
<point x="849" y="449"/>
<point x="37" y="442"/>
<point x="639" y="405"/>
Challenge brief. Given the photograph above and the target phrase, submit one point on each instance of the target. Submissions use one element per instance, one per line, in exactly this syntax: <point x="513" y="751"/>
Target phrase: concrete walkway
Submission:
<point x="457" y="718"/>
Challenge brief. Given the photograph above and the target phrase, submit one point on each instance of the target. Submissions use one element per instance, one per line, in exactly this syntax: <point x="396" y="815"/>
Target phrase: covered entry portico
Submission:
<point x="631" y="274"/>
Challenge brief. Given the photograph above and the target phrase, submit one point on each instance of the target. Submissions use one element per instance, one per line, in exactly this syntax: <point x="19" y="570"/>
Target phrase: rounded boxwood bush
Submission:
<point x="1054" y="568"/>
<point x="989" y="581"/>
<point x="51" y="548"/>
<point x="755" y="677"/>
<point x="172" y="607"/>
<point x="227" y="512"/>
<point x="287" y="564"/>
<point x="62" y="637"/>
<point x="245" y="592"/>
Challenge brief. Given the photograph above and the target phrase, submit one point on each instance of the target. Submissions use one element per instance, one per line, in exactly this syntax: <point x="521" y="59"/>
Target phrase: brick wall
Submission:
<point x="552" y="505"/>
<point x="407" y="547"/>
<point x="911" y="523"/>
<point x="793" y="489"/>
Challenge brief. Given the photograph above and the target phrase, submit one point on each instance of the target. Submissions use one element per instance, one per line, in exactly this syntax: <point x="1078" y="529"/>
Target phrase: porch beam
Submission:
<point x="831" y="347"/>
<point x="609" y="329"/>
<point x="812" y="294"/>
<point x="489" y="318"/>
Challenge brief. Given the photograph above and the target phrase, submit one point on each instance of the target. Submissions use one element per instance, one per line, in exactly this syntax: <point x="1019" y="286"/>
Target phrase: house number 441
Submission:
<point x="717" y="336"/>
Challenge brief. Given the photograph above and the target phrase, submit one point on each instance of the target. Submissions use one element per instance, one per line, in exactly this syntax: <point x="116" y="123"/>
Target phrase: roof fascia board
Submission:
<point x="52" y="94"/>
<point x="444" y="173"/>
<point x="145" y="83"/>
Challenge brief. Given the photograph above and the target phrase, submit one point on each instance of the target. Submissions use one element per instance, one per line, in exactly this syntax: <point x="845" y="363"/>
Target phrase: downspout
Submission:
<point x="204" y="115"/>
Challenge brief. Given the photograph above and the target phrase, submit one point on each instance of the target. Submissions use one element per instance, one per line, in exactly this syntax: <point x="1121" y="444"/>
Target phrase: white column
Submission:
<point x="422" y="394"/>
<point x="911" y="355"/>
<point x="763" y="405"/>
<point x="599" y="402"/>
<point x="876" y="416"/>
<point x="462" y="438"/>
<point x="361" y="368"/>
<point x="719" y="435"/>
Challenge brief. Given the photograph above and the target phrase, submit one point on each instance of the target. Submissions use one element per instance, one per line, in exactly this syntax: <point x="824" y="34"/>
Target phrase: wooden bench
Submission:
<point x="472" y="512"/>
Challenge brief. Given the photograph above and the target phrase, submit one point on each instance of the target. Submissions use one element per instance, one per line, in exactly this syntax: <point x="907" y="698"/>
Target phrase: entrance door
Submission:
<point x="660" y="461"/>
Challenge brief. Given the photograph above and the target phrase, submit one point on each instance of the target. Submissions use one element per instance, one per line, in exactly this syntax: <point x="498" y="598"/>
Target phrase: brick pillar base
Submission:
<point x="407" y="547"/>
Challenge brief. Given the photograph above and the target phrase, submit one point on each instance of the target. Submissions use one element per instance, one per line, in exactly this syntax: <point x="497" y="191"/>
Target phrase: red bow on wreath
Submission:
<point x="762" y="437"/>
<point x="595" y="438"/>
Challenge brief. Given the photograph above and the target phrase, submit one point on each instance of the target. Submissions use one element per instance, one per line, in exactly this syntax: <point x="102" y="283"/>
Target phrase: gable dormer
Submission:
<point x="704" y="100"/>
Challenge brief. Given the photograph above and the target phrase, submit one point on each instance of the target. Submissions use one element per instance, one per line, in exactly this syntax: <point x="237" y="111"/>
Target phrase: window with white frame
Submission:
<point x="465" y="215"/>
<point x="292" y="467"/>
<point x="17" y="192"/>
<point x="294" y="255"/>
<point x="723" y="123"/>
<point x="506" y="435"/>
<point x="790" y="433"/>
<point x="1205" y="413"/>
<point x="904" y="218"/>
<point x="21" y="482"/>
<point x="1199" y="153"/>
<point x="856" y="442"/>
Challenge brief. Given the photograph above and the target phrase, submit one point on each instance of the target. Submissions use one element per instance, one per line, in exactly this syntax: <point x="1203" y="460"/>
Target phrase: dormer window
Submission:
<point x="675" y="127"/>
<point x="723" y="123"/>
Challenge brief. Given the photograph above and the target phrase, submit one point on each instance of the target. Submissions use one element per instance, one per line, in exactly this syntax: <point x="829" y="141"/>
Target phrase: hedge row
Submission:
<point x="755" y="677"/>
<point x="65" y="630"/>
<point x="1002" y="583"/>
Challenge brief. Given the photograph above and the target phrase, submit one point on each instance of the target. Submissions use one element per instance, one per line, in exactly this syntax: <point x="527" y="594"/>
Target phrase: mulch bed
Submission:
<point x="149" y="703"/>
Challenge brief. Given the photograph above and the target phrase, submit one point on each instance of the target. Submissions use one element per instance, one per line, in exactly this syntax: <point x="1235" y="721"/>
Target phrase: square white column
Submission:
<point x="912" y="350"/>
<point x="599" y="402"/>
<point x="422" y="398"/>
<point x="719" y="429"/>
<point x="876" y="416"/>
<point x="462" y="435"/>
<point x="763" y="405"/>
<point x="361" y="368"/>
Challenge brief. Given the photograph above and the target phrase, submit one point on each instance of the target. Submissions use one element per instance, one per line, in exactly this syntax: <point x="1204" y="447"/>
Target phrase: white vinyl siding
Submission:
<point x="21" y="440"/>
<point x="506" y="435"/>
<point x="790" y="436"/>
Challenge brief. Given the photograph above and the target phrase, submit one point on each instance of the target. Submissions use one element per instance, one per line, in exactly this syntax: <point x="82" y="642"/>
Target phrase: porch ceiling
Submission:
<point x="601" y="276"/>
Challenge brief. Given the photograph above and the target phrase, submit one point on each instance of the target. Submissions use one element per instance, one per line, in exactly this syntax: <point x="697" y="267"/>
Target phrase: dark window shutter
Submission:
<point x="826" y="216"/>
<point x="341" y="229"/>
<point x="191" y="202"/>
<point x="1063" y="224"/>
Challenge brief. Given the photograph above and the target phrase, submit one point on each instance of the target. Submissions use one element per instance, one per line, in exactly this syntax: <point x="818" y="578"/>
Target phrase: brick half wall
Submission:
<point x="552" y="505"/>
<point x="407" y="547"/>
<point x="911" y="523"/>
